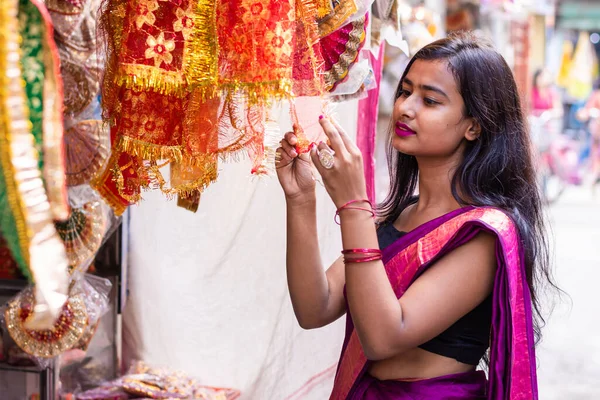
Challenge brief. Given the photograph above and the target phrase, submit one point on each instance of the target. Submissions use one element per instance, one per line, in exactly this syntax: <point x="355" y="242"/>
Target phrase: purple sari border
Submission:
<point x="390" y="251"/>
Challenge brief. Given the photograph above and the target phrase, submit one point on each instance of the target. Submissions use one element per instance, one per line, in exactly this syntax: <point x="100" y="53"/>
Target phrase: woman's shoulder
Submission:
<point x="500" y="220"/>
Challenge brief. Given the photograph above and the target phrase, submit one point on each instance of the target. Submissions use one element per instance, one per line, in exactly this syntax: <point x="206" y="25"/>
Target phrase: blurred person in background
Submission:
<point x="545" y="111"/>
<point x="545" y="99"/>
<point x="591" y="113"/>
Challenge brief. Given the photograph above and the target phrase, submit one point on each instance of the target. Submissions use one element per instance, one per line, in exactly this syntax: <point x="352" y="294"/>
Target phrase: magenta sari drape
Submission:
<point x="512" y="372"/>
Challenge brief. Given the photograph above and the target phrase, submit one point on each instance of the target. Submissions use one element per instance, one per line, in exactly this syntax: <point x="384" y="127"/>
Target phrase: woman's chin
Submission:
<point x="402" y="147"/>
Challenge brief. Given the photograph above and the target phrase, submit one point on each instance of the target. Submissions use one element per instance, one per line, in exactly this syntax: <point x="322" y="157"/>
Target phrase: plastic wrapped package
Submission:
<point x="87" y="301"/>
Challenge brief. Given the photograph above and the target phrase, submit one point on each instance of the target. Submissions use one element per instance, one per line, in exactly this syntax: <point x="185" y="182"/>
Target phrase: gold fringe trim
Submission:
<point x="97" y="183"/>
<point x="143" y="77"/>
<point x="148" y="78"/>
<point x="201" y="53"/>
<point x="208" y="177"/>
<point x="148" y="151"/>
<point x="340" y="15"/>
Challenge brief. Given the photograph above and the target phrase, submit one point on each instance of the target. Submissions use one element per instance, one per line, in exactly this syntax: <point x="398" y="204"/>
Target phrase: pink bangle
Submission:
<point x="362" y="260"/>
<point x="345" y="207"/>
<point x="361" y="251"/>
<point x="355" y="201"/>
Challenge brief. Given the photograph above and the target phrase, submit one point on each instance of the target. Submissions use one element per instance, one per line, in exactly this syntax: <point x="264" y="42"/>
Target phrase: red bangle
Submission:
<point x="361" y="251"/>
<point x="362" y="260"/>
<point x="345" y="206"/>
<point x="355" y="201"/>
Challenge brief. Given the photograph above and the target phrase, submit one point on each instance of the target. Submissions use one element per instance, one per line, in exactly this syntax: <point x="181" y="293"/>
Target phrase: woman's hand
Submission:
<point x="345" y="180"/>
<point x="295" y="172"/>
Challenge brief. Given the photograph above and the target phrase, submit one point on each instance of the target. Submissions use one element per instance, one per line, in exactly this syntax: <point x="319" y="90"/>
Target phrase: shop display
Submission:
<point x="182" y="86"/>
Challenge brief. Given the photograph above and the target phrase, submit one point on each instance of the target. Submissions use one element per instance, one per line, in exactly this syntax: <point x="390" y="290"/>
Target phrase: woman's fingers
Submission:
<point x="289" y="149"/>
<point x="282" y="159"/>
<point x="348" y="143"/>
<point x="291" y="138"/>
<point x="332" y="134"/>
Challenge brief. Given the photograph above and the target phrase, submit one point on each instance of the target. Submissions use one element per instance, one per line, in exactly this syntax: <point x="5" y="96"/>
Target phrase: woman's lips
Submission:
<point x="403" y="130"/>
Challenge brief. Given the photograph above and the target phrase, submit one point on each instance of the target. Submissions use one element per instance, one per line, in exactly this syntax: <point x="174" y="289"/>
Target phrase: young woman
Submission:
<point x="544" y="97"/>
<point x="444" y="275"/>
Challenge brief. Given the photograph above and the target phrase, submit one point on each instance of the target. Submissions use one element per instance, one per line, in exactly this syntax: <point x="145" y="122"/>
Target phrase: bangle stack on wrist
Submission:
<point x="361" y="255"/>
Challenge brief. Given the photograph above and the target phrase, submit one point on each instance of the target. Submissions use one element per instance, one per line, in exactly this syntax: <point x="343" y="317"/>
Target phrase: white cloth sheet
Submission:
<point x="208" y="291"/>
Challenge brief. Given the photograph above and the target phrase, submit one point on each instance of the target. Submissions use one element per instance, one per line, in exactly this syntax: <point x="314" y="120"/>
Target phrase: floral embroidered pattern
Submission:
<point x="160" y="49"/>
<point x="278" y="45"/>
<point x="184" y="23"/>
<point x="256" y="10"/>
<point x="177" y="59"/>
<point x="145" y="12"/>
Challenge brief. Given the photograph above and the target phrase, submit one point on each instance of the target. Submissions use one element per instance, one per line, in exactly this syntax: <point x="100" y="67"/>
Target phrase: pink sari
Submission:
<point x="512" y="372"/>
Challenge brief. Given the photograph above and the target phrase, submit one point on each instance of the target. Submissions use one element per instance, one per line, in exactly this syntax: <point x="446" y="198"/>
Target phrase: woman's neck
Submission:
<point x="435" y="188"/>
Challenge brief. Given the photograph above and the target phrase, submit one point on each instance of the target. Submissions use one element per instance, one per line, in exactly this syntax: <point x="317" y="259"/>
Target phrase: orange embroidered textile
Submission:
<point x="190" y="81"/>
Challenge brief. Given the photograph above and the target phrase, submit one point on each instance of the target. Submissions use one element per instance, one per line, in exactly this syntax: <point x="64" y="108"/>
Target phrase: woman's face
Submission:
<point x="428" y="117"/>
<point x="544" y="79"/>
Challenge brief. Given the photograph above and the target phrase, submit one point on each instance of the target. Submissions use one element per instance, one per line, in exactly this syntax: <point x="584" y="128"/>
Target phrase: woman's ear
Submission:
<point x="474" y="130"/>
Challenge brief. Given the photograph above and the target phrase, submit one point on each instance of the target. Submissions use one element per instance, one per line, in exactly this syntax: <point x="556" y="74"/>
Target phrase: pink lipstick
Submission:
<point x="403" y="130"/>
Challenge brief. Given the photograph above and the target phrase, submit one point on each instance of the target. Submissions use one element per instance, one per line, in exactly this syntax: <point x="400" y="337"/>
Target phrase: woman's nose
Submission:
<point x="405" y="107"/>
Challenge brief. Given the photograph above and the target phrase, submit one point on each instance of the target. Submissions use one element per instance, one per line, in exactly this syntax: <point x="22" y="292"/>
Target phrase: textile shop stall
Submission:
<point x="137" y="155"/>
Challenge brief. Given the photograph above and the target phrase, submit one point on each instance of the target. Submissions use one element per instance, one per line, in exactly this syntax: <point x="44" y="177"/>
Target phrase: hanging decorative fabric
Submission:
<point x="189" y="82"/>
<point x="343" y="10"/>
<point x="25" y="216"/>
<point x="43" y="87"/>
<point x="176" y="92"/>
<point x="82" y="234"/>
<point x="86" y="148"/>
<point x="340" y="51"/>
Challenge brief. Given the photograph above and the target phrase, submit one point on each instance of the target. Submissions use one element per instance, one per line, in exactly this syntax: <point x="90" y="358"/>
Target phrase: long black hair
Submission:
<point x="497" y="169"/>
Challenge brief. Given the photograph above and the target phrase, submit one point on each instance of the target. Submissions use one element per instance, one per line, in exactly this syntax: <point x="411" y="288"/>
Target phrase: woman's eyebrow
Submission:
<point x="427" y="88"/>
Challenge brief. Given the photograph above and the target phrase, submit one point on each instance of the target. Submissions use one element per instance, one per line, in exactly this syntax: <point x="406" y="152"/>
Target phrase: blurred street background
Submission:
<point x="569" y="354"/>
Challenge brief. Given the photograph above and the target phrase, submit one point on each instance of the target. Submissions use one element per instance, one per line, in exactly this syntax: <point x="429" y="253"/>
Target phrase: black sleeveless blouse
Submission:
<point x="468" y="338"/>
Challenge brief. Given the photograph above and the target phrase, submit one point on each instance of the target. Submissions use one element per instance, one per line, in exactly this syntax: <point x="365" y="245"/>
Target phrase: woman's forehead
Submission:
<point x="432" y="73"/>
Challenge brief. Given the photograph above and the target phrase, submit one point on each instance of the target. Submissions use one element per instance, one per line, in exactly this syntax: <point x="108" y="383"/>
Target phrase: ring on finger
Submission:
<point x="326" y="158"/>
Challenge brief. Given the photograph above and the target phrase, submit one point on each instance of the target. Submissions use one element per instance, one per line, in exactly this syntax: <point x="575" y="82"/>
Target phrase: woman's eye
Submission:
<point x="404" y="93"/>
<point x="430" y="102"/>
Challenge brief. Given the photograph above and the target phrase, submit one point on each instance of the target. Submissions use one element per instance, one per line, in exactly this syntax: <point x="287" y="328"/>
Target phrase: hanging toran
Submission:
<point x="189" y="82"/>
<point x="30" y="138"/>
